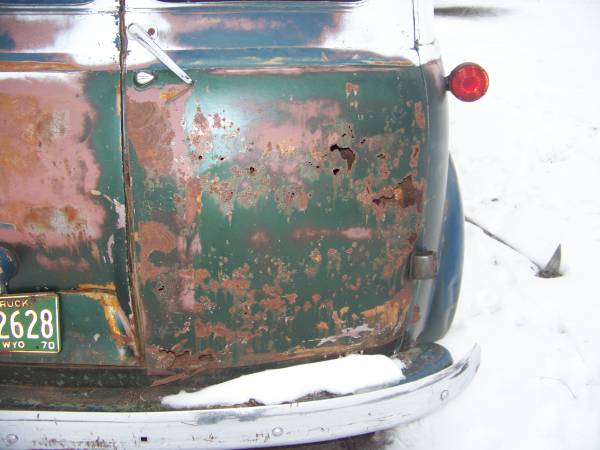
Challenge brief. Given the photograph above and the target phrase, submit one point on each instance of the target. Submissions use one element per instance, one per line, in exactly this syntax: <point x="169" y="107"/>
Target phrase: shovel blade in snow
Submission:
<point x="552" y="268"/>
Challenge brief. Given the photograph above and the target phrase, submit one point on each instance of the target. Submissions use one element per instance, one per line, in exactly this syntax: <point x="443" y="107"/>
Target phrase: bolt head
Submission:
<point x="11" y="439"/>
<point x="152" y="32"/>
<point x="277" y="431"/>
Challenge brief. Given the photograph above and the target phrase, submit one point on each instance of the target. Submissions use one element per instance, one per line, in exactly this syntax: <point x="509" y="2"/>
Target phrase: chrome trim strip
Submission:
<point x="424" y="29"/>
<point x="249" y="427"/>
<point x="88" y="7"/>
<point x="258" y="5"/>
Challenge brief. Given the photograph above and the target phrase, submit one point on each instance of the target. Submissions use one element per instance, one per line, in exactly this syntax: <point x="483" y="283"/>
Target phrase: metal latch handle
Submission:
<point x="141" y="36"/>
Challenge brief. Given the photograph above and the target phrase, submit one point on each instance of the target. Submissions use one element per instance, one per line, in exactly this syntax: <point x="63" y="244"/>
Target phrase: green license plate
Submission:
<point x="29" y="323"/>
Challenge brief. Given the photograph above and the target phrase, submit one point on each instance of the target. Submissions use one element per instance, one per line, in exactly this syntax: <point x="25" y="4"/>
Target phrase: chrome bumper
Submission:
<point x="249" y="427"/>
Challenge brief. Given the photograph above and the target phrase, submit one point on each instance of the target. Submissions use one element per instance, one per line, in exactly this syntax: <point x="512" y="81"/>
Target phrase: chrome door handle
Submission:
<point x="140" y="35"/>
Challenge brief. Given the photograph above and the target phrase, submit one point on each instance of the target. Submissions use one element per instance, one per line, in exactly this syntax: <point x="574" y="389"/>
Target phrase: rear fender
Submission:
<point x="451" y="253"/>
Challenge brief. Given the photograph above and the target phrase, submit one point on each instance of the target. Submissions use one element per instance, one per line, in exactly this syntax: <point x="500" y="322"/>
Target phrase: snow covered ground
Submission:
<point x="528" y="157"/>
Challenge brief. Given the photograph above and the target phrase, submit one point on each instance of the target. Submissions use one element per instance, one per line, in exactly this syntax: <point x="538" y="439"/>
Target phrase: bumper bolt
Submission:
<point x="277" y="431"/>
<point x="11" y="439"/>
<point x="444" y="395"/>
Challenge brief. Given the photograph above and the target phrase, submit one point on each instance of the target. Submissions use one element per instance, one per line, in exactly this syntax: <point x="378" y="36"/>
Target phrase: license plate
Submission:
<point x="29" y="323"/>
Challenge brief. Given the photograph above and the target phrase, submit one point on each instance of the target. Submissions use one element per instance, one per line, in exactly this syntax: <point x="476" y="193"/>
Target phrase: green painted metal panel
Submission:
<point x="275" y="212"/>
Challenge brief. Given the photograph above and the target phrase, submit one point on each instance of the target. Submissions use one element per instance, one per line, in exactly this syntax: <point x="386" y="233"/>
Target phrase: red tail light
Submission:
<point x="468" y="82"/>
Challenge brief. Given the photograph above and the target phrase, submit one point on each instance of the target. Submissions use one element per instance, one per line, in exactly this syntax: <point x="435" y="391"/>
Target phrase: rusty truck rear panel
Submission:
<point x="264" y="215"/>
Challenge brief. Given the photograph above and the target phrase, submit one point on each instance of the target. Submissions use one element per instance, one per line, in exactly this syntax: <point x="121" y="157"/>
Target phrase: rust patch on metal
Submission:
<point x="220" y="330"/>
<point x="351" y="89"/>
<point x="392" y="313"/>
<point x="154" y="237"/>
<point x="169" y="94"/>
<point x="201" y="133"/>
<point x="290" y="198"/>
<point x="174" y="359"/>
<point x="419" y="115"/>
<point x="260" y="238"/>
<point x="384" y="144"/>
<point x="40" y="133"/>
<point x="118" y="323"/>
<point x="315" y="256"/>
<point x="404" y="194"/>
<point x="236" y="285"/>
<point x="346" y="153"/>
<point x="290" y="126"/>
<point x="156" y="132"/>
<point x="414" y="156"/>
<point x="193" y="200"/>
<point x="150" y="132"/>
<point x="416" y="315"/>
<point x="280" y="171"/>
<point x="408" y="193"/>
<point x="217" y="123"/>
<point x="334" y="260"/>
<point x="36" y="66"/>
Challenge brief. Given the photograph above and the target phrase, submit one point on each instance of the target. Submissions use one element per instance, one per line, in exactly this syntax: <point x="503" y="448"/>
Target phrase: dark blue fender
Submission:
<point x="451" y="253"/>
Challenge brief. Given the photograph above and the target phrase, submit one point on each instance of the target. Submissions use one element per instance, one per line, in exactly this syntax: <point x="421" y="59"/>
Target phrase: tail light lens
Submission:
<point x="468" y="82"/>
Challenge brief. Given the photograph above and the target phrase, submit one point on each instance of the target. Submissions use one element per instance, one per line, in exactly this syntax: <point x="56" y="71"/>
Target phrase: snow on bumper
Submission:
<point x="247" y="427"/>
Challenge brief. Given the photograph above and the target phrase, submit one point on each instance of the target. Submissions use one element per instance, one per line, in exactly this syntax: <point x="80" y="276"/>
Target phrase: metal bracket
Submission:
<point x="423" y="265"/>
